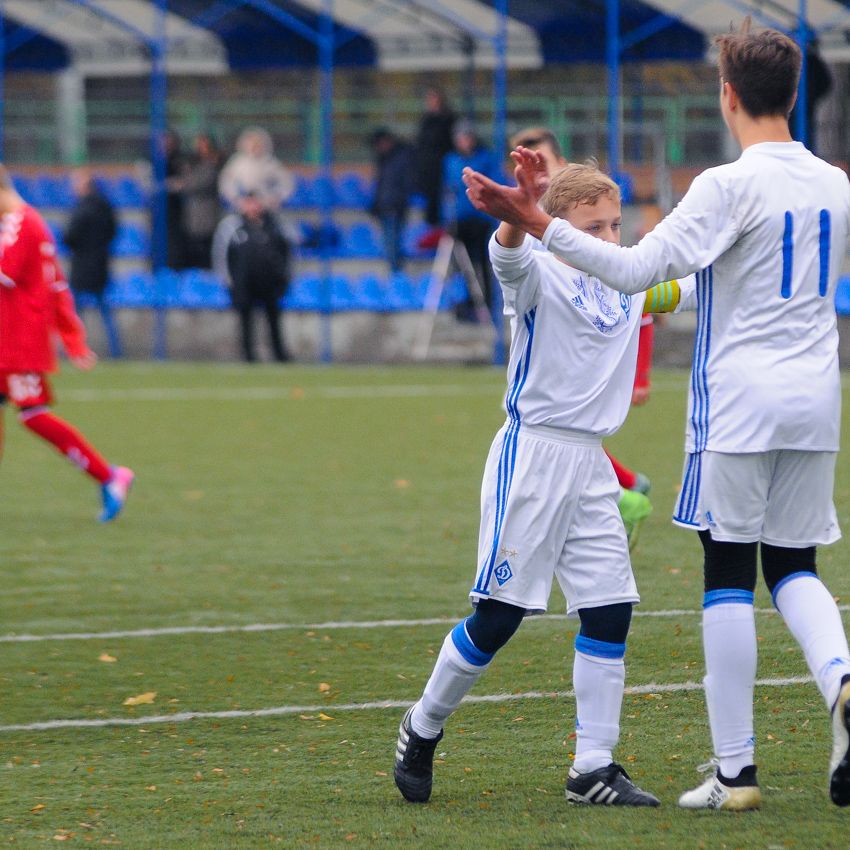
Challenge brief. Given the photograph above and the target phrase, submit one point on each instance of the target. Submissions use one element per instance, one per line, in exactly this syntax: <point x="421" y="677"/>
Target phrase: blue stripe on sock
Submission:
<point x="729" y="595"/>
<point x="599" y="648"/>
<point x="791" y="577"/>
<point x="467" y="648"/>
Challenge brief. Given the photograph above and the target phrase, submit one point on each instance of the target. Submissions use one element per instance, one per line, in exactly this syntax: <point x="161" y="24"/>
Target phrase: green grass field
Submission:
<point x="322" y="503"/>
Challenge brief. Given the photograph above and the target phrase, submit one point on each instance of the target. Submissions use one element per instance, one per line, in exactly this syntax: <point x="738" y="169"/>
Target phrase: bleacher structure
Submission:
<point x="338" y="266"/>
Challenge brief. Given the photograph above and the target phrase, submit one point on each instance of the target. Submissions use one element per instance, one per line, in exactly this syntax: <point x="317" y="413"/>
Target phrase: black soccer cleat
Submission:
<point x="839" y="765"/>
<point x="414" y="762"/>
<point x="606" y="786"/>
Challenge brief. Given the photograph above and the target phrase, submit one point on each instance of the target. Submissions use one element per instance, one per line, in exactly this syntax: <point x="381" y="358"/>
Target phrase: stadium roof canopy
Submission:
<point x="107" y="37"/>
<point x="826" y="20"/>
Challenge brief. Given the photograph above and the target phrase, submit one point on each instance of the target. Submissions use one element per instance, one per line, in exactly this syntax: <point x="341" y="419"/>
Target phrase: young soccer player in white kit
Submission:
<point x="549" y="496"/>
<point x="766" y="235"/>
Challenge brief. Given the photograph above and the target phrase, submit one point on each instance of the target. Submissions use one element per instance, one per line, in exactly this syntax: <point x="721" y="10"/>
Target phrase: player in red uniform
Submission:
<point x="35" y="307"/>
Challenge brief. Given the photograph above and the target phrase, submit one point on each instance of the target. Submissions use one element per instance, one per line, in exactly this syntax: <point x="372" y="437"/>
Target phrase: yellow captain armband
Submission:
<point x="663" y="297"/>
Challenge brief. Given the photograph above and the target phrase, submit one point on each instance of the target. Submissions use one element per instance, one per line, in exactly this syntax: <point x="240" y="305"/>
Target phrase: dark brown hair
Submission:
<point x="763" y="67"/>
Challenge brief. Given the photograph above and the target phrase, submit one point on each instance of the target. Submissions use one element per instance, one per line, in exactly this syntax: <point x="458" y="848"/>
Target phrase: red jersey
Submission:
<point x="35" y="302"/>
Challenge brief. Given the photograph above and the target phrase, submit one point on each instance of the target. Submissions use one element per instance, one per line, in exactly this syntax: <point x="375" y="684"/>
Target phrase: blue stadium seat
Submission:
<point x="323" y="193"/>
<point x="343" y="294"/>
<point x="352" y="190"/>
<point x="136" y="289"/>
<point x="316" y="238"/>
<point x="200" y="289"/>
<point x="55" y="192"/>
<point x="371" y="293"/>
<point x="454" y="292"/>
<point x="363" y="240"/>
<point x="56" y="231"/>
<point x="302" y="196"/>
<point x="125" y="192"/>
<point x="26" y="188"/>
<point x="131" y="240"/>
<point x="304" y="293"/>
<point x="842" y="296"/>
<point x="402" y="293"/>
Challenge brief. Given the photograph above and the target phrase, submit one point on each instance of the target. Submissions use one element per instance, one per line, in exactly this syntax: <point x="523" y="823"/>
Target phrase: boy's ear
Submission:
<point x="731" y="95"/>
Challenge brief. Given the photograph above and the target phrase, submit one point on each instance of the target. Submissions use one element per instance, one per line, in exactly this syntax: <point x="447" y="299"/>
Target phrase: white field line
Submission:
<point x="326" y="626"/>
<point x="280" y="393"/>
<point x="282" y="710"/>
<point x="299" y="393"/>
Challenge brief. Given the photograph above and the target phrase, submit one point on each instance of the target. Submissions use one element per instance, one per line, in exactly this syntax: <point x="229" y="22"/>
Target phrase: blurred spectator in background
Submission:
<point x="252" y="253"/>
<point x="201" y="207"/>
<point x="254" y="170"/>
<point x="541" y="139"/>
<point x="469" y="226"/>
<point x="175" y="163"/>
<point x="818" y="86"/>
<point x="90" y="229"/>
<point x="393" y="185"/>
<point x="433" y="142"/>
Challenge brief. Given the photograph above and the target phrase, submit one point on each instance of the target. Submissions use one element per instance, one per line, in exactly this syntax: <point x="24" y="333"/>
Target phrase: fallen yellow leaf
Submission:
<point x="401" y="483"/>
<point x="37" y="808"/>
<point x="146" y="698"/>
<point x="107" y="658"/>
<point x="323" y="716"/>
<point x="150" y="787"/>
<point x="324" y="687"/>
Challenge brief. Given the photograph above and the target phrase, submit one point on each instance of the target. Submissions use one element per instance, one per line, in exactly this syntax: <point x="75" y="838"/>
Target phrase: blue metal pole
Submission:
<point x="2" y="80"/>
<point x="326" y="59"/>
<point x="500" y="98"/>
<point x="159" y="223"/>
<point x="801" y="119"/>
<point x="612" y="54"/>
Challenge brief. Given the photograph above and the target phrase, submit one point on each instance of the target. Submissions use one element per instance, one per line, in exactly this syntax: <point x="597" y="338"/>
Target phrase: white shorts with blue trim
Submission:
<point x="781" y="497"/>
<point x="549" y="509"/>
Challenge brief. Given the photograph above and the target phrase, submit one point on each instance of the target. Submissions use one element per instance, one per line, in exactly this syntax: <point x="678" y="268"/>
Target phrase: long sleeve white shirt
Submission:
<point x="766" y="235"/>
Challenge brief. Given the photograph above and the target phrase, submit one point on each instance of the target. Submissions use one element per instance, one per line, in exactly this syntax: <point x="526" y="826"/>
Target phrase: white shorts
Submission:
<point x="549" y="508"/>
<point x="781" y="497"/>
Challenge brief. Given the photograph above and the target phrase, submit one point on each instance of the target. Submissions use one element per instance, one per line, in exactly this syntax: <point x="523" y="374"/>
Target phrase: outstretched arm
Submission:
<point x="509" y="235"/>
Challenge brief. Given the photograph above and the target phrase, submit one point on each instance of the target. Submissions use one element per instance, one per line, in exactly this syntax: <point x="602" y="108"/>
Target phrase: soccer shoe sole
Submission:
<point x="839" y="777"/>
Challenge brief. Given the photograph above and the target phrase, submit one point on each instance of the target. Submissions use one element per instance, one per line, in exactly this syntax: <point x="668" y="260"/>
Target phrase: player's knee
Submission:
<point x="607" y="623"/>
<point x="729" y="565"/>
<point x="493" y="624"/>
<point x="779" y="562"/>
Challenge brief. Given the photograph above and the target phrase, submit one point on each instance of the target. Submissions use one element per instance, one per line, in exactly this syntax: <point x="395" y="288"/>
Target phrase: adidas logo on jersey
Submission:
<point x="577" y="302"/>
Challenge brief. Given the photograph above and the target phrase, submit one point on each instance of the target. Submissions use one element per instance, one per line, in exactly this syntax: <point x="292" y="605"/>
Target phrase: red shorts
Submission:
<point x="25" y="389"/>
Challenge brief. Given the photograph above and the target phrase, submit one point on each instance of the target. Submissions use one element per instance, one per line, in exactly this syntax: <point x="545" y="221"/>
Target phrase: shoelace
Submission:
<point x="713" y="764"/>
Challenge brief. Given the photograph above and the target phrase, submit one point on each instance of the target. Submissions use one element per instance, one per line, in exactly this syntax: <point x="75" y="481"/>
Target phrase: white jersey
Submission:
<point x="573" y="343"/>
<point x="766" y="235"/>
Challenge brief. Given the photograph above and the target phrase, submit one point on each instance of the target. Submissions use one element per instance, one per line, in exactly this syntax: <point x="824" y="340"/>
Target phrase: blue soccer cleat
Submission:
<point x="114" y="492"/>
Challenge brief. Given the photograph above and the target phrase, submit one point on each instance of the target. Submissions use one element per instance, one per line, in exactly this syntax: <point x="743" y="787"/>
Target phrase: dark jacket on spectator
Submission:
<point x="90" y="230"/>
<point x="258" y="260"/>
<point x="433" y="141"/>
<point x="393" y="180"/>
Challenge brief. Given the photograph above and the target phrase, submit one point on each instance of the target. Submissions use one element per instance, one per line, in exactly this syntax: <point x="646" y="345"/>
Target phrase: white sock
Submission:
<point x="598" y="683"/>
<point x="812" y="616"/>
<point x="729" y="642"/>
<point x="458" y="667"/>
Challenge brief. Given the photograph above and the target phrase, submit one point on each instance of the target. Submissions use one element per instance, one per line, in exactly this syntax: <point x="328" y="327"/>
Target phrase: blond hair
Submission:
<point x="576" y="184"/>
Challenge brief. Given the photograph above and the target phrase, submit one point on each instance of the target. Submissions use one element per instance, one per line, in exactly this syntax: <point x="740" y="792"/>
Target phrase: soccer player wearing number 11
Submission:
<point x="766" y="235"/>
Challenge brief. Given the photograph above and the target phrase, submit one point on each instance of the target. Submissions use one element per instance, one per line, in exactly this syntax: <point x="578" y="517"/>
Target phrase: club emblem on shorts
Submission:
<point x="503" y="573"/>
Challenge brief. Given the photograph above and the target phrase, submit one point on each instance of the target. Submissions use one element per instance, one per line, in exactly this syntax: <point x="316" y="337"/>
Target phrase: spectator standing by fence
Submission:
<point x="393" y="185"/>
<point x="175" y="163"/>
<point x="433" y="142"/>
<point x="252" y="252"/>
<point x="201" y="208"/>
<point x="253" y="169"/>
<point x="470" y="227"/>
<point x="88" y="234"/>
